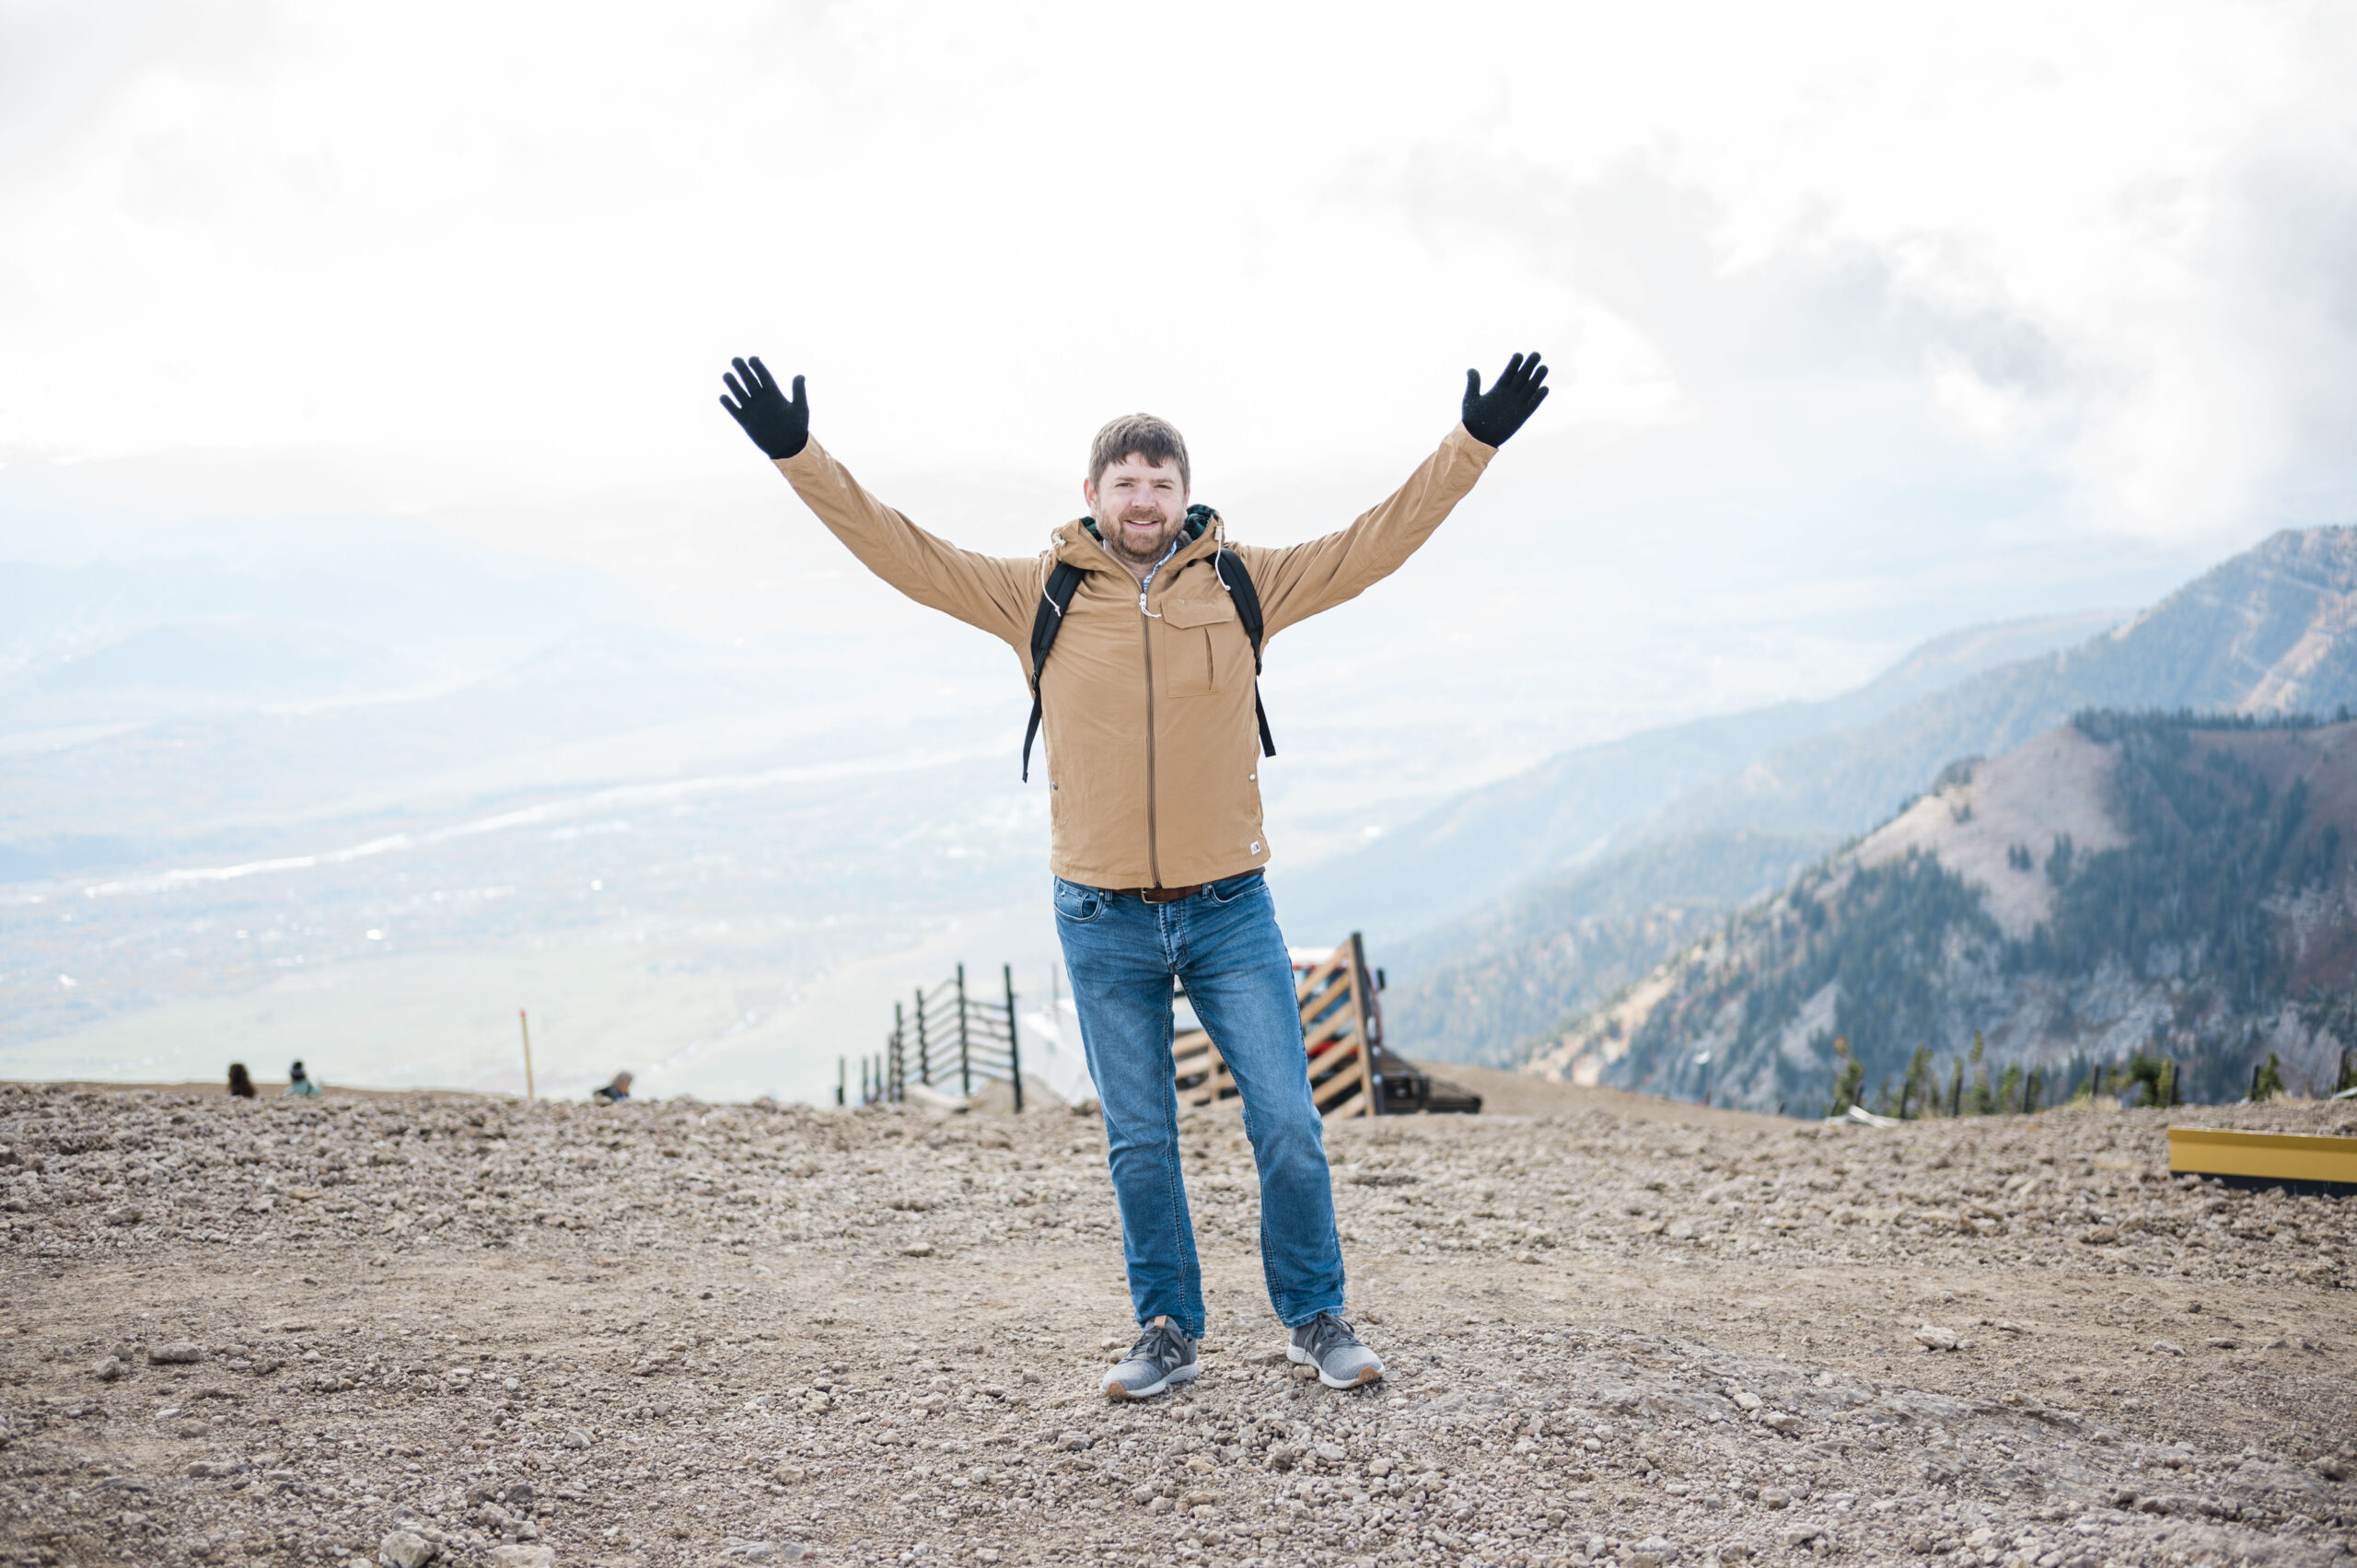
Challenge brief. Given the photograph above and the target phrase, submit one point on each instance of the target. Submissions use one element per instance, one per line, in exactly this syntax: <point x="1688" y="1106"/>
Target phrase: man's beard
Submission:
<point x="1116" y="537"/>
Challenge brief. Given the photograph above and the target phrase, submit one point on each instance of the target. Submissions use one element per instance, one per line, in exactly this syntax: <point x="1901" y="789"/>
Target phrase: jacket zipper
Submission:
<point x="1152" y="851"/>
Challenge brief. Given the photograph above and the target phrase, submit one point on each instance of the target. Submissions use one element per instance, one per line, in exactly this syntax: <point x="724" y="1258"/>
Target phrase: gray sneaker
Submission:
<point x="1327" y="1344"/>
<point x="1163" y="1356"/>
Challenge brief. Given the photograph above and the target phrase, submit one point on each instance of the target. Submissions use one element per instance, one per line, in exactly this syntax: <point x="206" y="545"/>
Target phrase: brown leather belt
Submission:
<point x="1158" y="895"/>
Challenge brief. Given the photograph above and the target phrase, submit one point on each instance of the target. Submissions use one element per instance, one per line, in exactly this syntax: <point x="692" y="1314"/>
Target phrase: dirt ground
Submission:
<point x="423" y="1326"/>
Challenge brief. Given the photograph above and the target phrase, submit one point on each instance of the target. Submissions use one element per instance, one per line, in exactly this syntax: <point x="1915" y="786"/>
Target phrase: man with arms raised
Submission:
<point x="1153" y="751"/>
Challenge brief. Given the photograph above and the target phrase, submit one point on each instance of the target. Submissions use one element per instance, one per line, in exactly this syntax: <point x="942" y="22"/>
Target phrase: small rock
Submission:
<point x="1776" y="1497"/>
<point x="1200" y="1465"/>
<point x="404" y="1549"/>
<point x="1744" y="1399"/>
<point x="1072" y="1442"/>
<point x="180" y="1354"/>
<point x="1931" y="1336"/>
<point x="917" y="1249"/>
<point x="2099" y="1236"/>
<point x="1733" y="1550"/>
<point x="1285" y="1456"/>
<point x="2219" y="1343"/>
<point x="1800" y="1534"/>
<point x="575" y="1438"/>
<point x="107" y="1370"/>
<point x="1780" y="1420"/>
<point x="2168" y="1347"/>
<point x="1331" y="1453"/>
<point x="213" y="1469"/>
<point x="523" y="1557"/>
<point x="759" y="1548"/>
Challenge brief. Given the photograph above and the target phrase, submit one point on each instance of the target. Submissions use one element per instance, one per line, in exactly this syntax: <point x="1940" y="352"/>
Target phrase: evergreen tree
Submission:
<point x="2150" y="1070"/>
<point x="1849" y="1081"/>
<point x="1922" y="1089"/>
<point x="2267" y="1081"/>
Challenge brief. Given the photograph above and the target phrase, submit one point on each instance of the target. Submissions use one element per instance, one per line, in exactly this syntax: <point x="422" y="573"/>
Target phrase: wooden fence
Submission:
<point x="1351" y="1073"/>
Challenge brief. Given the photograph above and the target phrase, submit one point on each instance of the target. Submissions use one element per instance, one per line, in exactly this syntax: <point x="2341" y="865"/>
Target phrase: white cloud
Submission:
<point x="1811" y="275"/>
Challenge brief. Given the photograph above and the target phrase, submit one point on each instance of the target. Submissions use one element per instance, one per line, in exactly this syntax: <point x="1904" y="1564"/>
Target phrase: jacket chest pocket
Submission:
<point x="1203" y="640"/>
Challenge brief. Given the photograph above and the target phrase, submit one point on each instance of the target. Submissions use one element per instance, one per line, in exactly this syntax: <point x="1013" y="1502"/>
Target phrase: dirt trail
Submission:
<point x="1616" y="1329"/>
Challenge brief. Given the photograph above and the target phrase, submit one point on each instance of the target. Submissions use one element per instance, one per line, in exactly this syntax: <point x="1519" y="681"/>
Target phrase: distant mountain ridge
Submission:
<point x="2167" y="883"/>
<point x="2270" y="627"/>
<point x="2268" y="631"/>
<point x="1462" y="855"/>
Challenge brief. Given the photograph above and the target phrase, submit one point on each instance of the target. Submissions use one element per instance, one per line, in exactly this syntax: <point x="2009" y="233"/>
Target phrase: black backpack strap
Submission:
<point x="1237" y="581"/>
<point x="1049" y="619"/>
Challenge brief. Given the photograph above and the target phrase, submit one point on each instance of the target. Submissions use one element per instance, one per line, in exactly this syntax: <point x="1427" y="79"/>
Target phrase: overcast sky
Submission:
<point x="1868" y="320"/>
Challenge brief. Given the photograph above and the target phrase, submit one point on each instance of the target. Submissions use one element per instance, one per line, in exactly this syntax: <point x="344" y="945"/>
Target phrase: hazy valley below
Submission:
<point x="369" y="837"/>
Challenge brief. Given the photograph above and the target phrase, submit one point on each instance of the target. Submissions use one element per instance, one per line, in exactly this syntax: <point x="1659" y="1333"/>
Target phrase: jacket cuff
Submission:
<point x="806" y="463"/>
<point x="1465" y="441"/>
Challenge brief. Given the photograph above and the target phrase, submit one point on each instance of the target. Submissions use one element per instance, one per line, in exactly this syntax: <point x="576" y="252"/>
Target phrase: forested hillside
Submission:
<point x="2169" y="885"/>
<point x="1481" y="990"/>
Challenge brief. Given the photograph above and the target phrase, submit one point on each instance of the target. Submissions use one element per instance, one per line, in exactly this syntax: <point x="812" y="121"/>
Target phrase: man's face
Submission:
<point x="1138" y="507"/>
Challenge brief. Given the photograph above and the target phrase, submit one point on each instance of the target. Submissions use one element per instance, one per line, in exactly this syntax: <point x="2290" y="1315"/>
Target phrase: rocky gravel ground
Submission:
<point x="433" y="1328"/>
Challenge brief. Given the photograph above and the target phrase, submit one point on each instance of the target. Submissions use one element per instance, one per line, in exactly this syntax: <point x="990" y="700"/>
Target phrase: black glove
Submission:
<point x="778" y="428"/>
<point x="1492" y="416"/>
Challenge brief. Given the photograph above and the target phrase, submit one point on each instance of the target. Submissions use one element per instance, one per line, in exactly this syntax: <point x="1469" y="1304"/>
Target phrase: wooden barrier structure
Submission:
<point x="1351" y="1073"/>
<point x="2300" y="1162"/>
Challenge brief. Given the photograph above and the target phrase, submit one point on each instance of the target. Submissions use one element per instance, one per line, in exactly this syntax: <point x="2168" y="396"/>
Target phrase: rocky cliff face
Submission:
<point x="2174" y="885"/>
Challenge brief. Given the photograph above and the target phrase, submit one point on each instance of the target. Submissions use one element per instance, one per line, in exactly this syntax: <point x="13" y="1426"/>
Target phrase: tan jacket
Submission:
<point x="1153" y="760"/>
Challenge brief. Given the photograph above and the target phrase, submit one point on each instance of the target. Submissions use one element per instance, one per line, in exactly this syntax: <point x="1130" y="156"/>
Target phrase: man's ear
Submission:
<point x="1088" y="494"/>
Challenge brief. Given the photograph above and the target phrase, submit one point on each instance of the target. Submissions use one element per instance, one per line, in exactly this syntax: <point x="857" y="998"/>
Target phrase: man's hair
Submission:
<point x="1139" y="435"/>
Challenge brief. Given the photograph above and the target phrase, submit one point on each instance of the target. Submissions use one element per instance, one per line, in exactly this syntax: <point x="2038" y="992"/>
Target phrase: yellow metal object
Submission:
<point x="2281" y="1157"/>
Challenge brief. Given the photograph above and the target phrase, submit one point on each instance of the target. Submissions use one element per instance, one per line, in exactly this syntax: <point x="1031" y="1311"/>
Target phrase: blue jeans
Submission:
<point x="1224" y="942"/>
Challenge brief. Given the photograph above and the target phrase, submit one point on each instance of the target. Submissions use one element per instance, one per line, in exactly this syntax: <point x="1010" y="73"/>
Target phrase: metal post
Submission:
<point x="965" y="1059"/>
<point x="899" y="1034"/>
<point x="1014" y="1049"/>
<point x="842" y="1077"/>
<point x="526" y="1025"/>
<point x="924" y="1044"/>
<point x="863" y="1098"/>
